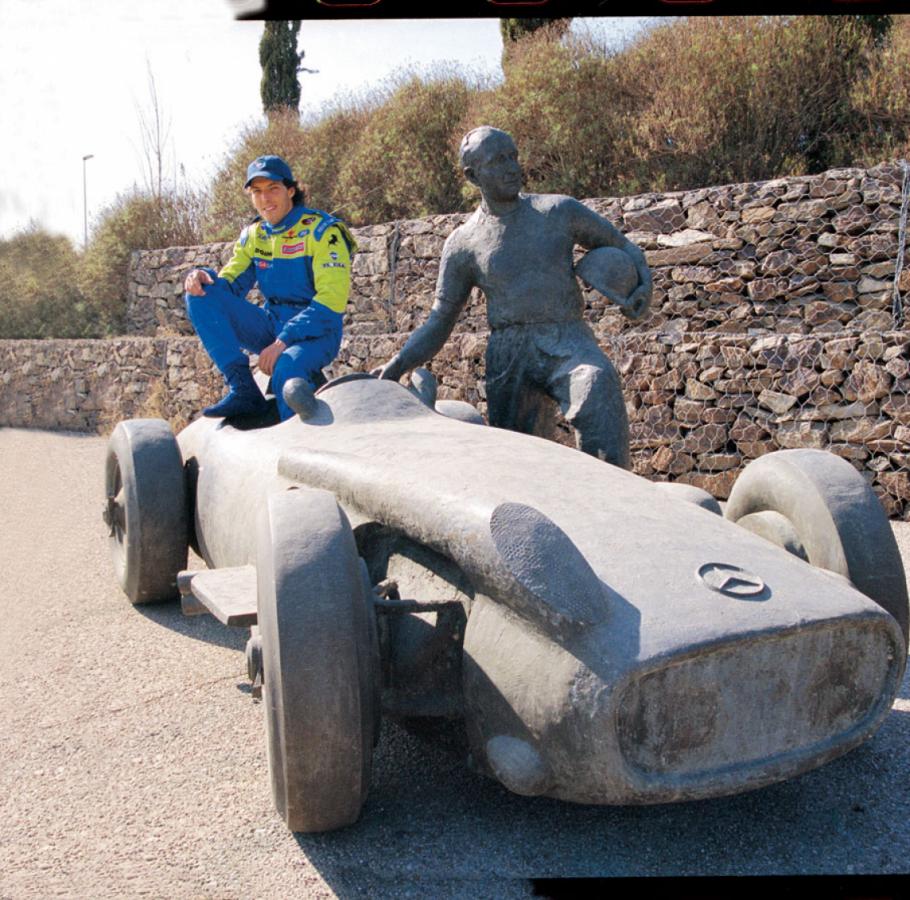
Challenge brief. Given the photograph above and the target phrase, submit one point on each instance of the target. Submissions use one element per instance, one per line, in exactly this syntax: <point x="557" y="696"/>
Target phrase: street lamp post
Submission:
<point x="85" y="202"/>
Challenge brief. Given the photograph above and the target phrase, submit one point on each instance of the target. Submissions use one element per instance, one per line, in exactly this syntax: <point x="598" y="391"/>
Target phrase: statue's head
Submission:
<point x="489" y="159"/>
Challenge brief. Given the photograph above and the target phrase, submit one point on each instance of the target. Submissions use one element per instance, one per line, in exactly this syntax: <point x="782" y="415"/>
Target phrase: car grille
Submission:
<point x="761" y="700"/>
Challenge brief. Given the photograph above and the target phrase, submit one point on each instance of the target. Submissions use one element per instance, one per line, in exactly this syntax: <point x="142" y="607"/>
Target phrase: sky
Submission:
<point x="75" y="77"/>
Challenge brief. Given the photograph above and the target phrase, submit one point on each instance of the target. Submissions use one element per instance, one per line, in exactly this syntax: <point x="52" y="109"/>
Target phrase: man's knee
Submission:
<point x="203" y="306"/>
<point x="595" y="408"/>
<point x="592" y="390"/>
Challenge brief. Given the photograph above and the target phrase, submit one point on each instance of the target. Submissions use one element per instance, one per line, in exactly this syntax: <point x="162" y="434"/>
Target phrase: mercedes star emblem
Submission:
<point x="731" y="581"/>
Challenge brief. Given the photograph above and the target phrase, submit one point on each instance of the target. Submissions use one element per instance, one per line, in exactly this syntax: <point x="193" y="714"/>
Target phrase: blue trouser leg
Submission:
<point x="227" y="325"/>
<point x="302" y="360"/>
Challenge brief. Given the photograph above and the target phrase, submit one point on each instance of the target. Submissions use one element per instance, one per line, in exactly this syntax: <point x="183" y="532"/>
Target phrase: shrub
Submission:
<point x="570" y="109"/>
<point x="39" y="293"/>
<point x="881" y="101"/>
<point x="403" y="162"/>
<point x="134" y="221"/>
<point x="730" y="99"/>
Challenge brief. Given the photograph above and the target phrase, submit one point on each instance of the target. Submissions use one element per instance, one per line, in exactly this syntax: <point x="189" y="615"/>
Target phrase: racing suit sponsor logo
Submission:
<point x="333" y="239"/>
<point x="289" y="249"/>
<point x="302" y="233"/>
<point x="334" y="255"/>
<point x="334" y="265"/>
<point x="308" y="221"/>
<point x="262" y="264"/>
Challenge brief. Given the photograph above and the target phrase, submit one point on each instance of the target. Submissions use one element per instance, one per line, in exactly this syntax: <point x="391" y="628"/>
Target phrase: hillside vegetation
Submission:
<point x="691" y="103"/>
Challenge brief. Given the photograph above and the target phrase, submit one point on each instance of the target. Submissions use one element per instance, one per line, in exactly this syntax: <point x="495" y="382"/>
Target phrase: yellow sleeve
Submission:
<point x="240" y="273"/>
<point x="332" y="269"/>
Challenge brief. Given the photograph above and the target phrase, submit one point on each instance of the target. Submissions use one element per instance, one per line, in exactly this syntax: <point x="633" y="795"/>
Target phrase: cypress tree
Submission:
<point x="280" y="61"/>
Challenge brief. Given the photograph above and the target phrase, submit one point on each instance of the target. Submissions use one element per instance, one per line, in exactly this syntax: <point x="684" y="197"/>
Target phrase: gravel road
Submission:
<point x="132" y="758"/>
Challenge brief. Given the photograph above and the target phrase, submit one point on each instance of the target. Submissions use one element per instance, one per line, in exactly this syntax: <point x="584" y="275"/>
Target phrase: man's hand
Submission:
<point x="268" y="356"/>
<point x="195" y="281"/>
<point x="637" y="304"/>
<point x="391" y="371"/>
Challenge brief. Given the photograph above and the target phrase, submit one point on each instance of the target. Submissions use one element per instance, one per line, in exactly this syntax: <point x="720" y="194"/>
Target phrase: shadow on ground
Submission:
<point x="204" y="628"/>
<point x="431" y="826"/>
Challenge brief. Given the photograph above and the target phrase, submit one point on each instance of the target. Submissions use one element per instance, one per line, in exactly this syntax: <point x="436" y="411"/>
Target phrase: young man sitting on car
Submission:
<point x="301" y="260"/>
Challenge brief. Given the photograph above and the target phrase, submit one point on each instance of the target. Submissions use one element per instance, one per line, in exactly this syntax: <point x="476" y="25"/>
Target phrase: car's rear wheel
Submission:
<point x="318" y="661"/>
<point x="818" y="506"/>
<point x="146" y="510"/>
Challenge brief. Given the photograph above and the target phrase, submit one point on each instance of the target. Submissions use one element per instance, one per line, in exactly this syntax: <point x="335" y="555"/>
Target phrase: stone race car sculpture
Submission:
<point x="607" y="640"/>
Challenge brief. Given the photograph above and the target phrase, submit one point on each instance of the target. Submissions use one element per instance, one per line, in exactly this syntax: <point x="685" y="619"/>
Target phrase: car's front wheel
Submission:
<point x="816" y="505"/>
<point x="318" y="661"/>
<point x="145" y="509"/>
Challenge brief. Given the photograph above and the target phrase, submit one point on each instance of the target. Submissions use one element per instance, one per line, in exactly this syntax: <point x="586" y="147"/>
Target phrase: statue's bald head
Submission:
<point x="478" y="138"/>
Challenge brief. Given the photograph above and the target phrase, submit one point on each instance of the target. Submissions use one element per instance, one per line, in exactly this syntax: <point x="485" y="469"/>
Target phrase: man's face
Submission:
<point x="272" y="199"/>
<point x="495" y="169"/>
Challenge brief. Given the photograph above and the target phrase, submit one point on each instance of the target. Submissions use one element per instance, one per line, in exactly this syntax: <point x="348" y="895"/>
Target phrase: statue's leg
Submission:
<point x="587" y="388"/>
<point x="513" y="400"/>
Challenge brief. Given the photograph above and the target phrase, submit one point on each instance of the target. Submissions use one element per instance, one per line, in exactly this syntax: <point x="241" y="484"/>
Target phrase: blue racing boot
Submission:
<point x="244" y="397"/>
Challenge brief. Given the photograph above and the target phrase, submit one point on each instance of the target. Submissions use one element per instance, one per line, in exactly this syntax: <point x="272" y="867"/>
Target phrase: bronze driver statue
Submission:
<point x="518" y="249"/>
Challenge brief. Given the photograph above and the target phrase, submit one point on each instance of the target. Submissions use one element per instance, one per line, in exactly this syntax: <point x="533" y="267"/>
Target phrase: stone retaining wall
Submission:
<point x="700" y="405"/>
<point x="770" y="328"/>
<point x="90" y="385"/>
<point x="813" y="254"/>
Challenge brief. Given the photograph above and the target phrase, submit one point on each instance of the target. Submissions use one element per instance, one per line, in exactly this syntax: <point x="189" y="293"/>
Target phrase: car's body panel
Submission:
<point x="602" y="664"/>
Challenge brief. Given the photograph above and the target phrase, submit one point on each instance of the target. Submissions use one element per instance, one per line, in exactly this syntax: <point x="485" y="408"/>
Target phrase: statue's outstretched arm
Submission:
<point x="452" y="289"/>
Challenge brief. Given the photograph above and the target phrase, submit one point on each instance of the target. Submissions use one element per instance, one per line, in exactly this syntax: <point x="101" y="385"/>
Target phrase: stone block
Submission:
<point x="719" y="462"/>
<point x="693" y="274"/>
<point x="702" y="215"/>
<point x="869" y="285"/>
<point x="754" y="449"/>
<point x="799" y="382"/>
<point x="756" y="214"/>
<point x="852" y="452"/>
<point x="717" y="484"/>
<point x="896" y="483"/>
<point x="776" y="401"/>
<point x="672" y="461"/>
<point x="697" y="390"/>
<point x="897" y="407"/>
<point x="839" y="291"/>
<point x="854" y="220"/>
<point x="802" y="211"/>
<point x="663" y="217"/>
<point x="780" y="262"/>
<point x="704" y="439"/>
<point x="867" y="382"/>
<point x="794" y="435"/>
<point x="860" y="431"/>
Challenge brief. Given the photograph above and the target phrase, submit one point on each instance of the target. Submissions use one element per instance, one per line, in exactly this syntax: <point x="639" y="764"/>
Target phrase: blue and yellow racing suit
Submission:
<point x="302" y="266"/>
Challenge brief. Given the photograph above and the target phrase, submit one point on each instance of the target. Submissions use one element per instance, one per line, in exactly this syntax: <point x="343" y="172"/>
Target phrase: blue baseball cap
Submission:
<point x="273" y="167"/>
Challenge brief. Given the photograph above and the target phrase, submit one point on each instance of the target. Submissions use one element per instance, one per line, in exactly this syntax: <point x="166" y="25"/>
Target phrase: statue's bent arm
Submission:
<point x="591" y="230"/>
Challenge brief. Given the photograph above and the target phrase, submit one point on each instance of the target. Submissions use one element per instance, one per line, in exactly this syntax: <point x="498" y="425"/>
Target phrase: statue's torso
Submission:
<point x="523" y="262"/>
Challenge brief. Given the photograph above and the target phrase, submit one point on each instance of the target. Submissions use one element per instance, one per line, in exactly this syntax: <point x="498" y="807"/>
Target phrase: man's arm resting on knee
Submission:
<point x="196" y="280"/>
